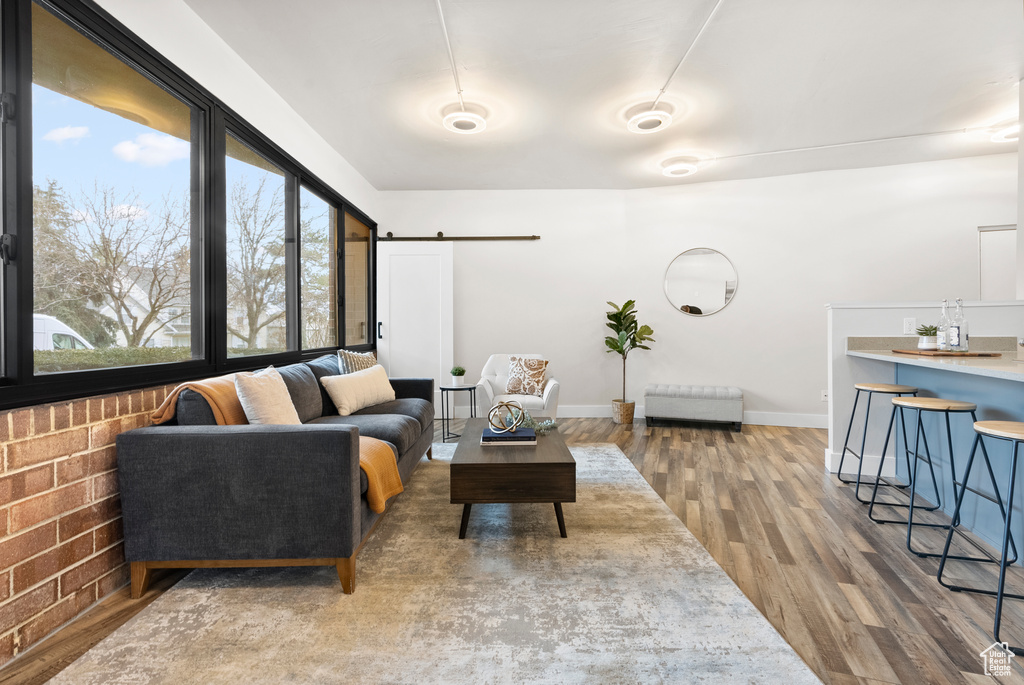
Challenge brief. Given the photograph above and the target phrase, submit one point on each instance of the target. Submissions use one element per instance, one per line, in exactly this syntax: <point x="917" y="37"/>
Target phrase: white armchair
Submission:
<point x="490" y="389"/>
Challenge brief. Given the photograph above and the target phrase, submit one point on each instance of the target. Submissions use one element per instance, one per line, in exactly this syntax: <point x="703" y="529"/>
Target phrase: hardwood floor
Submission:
<point x="845" y="592"/>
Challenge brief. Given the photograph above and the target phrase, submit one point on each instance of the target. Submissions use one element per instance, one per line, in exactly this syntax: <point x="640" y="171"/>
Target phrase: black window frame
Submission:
<point x="19" y="385"/>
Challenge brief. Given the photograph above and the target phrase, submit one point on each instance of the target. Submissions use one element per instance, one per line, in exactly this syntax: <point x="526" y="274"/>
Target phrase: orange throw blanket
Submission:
<point x="219" y="392"/>
<point x="378" y="463"/>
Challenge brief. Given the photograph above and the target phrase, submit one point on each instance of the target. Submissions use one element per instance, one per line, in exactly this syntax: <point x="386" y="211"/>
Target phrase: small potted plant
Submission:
<point x="928" y="337"/>
<point x="458" y="375"/>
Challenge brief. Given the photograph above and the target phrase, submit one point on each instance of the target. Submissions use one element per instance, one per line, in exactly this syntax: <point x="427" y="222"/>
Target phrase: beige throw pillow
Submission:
<point x="351" y="392"/>
<point x="355" y="361"/>
<point x="264" y="397"/>
<point x="526" y="376"/>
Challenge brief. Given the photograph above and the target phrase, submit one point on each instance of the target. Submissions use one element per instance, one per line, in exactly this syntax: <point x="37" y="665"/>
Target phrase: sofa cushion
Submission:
<point x="304" y="388"/>
<point x="350" y="362"/>
<point x="265" y="397"/>
<point x="326" y="365"/>
<point x="353" y="391"/>
<point x="193" y="410"/>
<point x="413" y="407"/>
<point x="400" y="431"/>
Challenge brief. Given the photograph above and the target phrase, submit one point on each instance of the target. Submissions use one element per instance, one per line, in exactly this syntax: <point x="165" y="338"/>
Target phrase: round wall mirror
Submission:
<point x="700" y="281"/>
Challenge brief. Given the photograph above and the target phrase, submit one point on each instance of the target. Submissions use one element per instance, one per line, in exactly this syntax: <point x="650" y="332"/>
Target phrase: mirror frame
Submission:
<point x="694" y="249"/>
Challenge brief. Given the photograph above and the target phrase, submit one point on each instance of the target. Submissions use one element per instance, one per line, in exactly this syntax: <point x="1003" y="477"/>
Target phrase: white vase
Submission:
<point x="458" y="380"/>
<point x="927" y="342"/>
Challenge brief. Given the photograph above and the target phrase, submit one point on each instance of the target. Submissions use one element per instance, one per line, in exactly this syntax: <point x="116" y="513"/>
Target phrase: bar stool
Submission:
<point x="870" y="389"/>
<point x="1012" y="432"/>
<point x="921" y="405"/>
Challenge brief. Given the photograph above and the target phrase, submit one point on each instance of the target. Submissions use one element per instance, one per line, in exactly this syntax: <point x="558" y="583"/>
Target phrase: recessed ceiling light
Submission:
<point x="649" y="120"/>
<point x="464" y="122"/>
<point x="1010" y="134"/>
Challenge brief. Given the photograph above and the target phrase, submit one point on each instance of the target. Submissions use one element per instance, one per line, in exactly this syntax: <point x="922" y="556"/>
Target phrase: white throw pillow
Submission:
<point x="351" y="392"/>
<point x="264" y="397"/>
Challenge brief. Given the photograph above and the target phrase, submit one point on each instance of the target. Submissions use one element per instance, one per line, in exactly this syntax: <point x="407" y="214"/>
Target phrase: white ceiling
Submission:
<point x="372" y="76"/>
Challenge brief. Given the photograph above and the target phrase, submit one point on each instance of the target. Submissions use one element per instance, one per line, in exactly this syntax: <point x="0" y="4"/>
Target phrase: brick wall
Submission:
<point x="60" y="516"/>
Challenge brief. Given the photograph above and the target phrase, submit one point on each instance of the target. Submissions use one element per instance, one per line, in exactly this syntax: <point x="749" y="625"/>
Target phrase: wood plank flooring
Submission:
<point x="844" y="591"/>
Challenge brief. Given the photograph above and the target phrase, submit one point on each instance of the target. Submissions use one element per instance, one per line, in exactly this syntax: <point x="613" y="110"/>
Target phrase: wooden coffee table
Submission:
<point x="544" y="472"/>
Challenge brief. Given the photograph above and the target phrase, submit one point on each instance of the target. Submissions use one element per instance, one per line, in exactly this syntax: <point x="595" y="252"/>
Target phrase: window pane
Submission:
<point x="112" y="212"/>
<point x="318" y="223"/>
<point x="256" y="280"/>
<point x="357" y="281"/>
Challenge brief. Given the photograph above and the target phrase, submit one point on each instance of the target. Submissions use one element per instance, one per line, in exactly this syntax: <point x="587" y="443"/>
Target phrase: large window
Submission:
<point x="257" y="286"/>
<point x="155" y="235"/>
<point x="112" y="216"/>
<point x="318" y="223"/>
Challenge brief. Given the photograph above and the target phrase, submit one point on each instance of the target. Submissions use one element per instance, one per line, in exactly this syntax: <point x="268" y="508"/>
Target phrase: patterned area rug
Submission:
<point x="629" y="596"/>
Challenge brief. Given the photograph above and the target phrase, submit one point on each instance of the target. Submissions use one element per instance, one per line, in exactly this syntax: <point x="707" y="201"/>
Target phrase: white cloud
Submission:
<point x="59" y="135"/>
<point x="152" y="149"/>
<point x="127" y="212"/>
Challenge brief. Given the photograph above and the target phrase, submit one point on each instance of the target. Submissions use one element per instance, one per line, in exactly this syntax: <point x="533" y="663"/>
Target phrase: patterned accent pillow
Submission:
<point x="526" y="376"/>
<point x="355" y="361"/>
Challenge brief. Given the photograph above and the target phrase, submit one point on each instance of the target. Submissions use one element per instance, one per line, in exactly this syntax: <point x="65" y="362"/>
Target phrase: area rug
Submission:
<point x="629" y="597"/>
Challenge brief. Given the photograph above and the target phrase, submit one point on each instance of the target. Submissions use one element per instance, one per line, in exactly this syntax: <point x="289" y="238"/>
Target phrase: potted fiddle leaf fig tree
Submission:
<point x="629" y="335"/>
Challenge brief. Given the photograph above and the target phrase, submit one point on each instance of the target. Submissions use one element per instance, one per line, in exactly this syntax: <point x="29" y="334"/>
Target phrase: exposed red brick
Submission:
<point x="51" y="563"/>
<point x="61" y="417"/>
<point x="95" y="409"/>
<point x="5" y="585"/>
<point x="5" y="520"/>
<point x="149" y="400"/>
<point x="56" y="616"/>
<point x="41" y="418"/>
<point x="73" y="468"/>
<point x="79" y="412"/>
<point x="20" y="609"/>
<point x="5" y="426"/>
<point x="124" y="403"/>
<point x="6" y="648"/>
<point x="104" y="485"/>
<point x="41" y="507"/>
<point x="21" y="424"/>
<point x="110" y="407"/>
<point x="103" y="434"/>
<point x="20" y="547"/>
<point x="103" y="459"/>
<point x="77" y="522"/>
<point x="108" y="534"/>
<point x="45" y="448"/>
<point x="83" y="574"/>
<point x="26" y="483"/>
<point x="114" y="580"/>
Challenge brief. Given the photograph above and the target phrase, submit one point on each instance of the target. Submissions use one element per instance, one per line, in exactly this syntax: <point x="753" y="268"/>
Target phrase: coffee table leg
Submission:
<point x="465" y="520"/>
<point x="561" y="519"/>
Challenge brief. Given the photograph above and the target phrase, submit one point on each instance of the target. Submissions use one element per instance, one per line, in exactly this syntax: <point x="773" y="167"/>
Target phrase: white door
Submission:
<point x="997" y="262"/>
<point x="416" y="310"/>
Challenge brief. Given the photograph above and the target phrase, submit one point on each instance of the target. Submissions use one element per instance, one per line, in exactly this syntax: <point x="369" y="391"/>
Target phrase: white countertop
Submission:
<point x="1005" y="367"/>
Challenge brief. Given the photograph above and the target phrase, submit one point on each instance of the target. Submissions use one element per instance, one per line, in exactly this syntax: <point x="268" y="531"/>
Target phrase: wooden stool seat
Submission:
<point x="889" y="388"/>
<point x="933" y="404"/>
<point x="1011" y="430"/>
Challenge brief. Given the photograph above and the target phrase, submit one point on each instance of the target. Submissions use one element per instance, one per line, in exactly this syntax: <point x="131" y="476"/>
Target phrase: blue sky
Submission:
<point x="77" y="144"/>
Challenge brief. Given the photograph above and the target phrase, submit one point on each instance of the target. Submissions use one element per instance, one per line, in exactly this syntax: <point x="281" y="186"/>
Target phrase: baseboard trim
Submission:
<point x="756" y="418"/>
<point x="850" y="465"/>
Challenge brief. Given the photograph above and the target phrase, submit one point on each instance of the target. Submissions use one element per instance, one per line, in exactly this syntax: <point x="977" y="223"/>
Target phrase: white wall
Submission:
<point x="177" y="33"/>
<point x="895" y="233"/>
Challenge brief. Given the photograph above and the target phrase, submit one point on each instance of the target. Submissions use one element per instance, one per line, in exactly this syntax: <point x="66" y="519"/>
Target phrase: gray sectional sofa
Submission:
<point x="195" y="494"/>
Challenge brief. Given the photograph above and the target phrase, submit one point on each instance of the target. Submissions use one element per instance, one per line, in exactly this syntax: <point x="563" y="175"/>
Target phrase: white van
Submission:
<point x="49" y="333"/>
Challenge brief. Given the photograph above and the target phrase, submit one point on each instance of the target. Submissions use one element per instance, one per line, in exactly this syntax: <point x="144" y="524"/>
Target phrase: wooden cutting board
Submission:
<point x="940" y="353"/>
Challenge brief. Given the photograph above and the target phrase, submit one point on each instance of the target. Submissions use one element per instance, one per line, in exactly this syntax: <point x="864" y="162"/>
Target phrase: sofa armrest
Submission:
<point x="239" y="492"/>
<point x="484" y="396"/>
<point x="422" y="388"/>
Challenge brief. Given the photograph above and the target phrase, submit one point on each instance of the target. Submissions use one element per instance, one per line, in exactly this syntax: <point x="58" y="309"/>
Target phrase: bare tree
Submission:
<point x="256" y="262"/>
<point x="138" y="262"/>
<point x="319" y="311"/>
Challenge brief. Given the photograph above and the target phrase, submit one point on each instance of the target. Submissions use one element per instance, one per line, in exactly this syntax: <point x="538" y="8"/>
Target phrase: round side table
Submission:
<point x="447" y="411"/>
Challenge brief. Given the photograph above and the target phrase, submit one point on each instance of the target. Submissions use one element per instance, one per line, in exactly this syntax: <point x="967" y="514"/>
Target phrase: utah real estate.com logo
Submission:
<point x="996" y="658"/>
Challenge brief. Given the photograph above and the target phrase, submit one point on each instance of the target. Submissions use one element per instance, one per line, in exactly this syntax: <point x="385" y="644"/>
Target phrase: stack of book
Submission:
<point x="520" y="437"/>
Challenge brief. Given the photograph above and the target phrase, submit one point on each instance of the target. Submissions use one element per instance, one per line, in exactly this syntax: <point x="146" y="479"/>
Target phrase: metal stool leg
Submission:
<point x="911" y="472"/>
<point x="859" y="480"/>
<point x="1000" y="592"/>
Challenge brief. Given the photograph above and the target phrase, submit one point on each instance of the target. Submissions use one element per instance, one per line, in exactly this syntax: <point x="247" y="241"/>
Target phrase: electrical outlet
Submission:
<point x="909" y="326"/>
<point x="824" y="395"/>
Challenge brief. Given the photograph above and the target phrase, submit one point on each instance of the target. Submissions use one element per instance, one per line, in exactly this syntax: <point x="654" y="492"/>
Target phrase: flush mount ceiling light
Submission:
<point x="1007" y="134"/>
<point x="679" y="167"/>
<point x="458" y="117"/>
<point x="654" y="116"/>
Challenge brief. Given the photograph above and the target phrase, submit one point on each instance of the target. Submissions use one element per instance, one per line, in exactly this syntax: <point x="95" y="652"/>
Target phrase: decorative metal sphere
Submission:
<point x="505" y="417"/>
